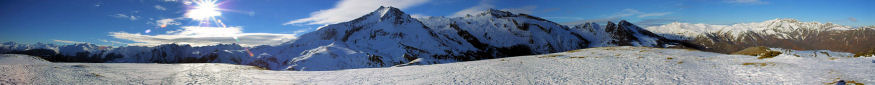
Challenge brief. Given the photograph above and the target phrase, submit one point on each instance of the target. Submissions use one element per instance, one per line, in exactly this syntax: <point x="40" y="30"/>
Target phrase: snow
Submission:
<point x="603" y="65"/>
<point x="781" y="27"/>
<point x="11" y="59"/>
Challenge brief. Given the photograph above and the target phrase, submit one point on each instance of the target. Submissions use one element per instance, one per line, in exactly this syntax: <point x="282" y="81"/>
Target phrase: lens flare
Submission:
<point x="205" y="10"/>
<point x="205" y="13"/>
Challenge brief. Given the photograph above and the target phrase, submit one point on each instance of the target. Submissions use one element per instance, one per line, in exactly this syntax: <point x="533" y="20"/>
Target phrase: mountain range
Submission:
<point x="389" y="37"/>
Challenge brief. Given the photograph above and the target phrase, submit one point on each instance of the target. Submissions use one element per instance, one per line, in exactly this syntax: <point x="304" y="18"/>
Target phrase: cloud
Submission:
<point x="346" y="10"/>
<point x="113" y="42"/>
<point x="524" y="10"/>
<point x="159" y="7"/>
<point x="752" y="2"/>
<point x="123" y="16"/>
<point x="655" y="22"/>
<point x="301" y="31"/>
<point x="166" y="22"/>
<point x="67" y="41"/>
<point x="625" y="13"/>
<point x="479" y="8"/>
<point x="487" y="4"/>
<point x="653" y="14"/>
<point x="205" y="36"/>
<point x="852" y="19"/>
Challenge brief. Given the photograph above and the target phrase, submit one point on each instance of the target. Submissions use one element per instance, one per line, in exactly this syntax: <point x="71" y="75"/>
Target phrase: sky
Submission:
<point x="271" y="22"/>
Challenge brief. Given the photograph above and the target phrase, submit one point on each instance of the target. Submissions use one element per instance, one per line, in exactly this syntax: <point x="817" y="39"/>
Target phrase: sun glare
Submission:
<point x="204" y="10"/>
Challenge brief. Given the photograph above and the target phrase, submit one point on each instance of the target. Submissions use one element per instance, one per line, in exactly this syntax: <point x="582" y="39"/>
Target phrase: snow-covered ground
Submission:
<point x="604" y="65"/>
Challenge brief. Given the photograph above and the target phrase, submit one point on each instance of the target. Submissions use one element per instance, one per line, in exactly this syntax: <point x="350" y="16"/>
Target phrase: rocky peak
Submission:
<point x="384" y="13"/>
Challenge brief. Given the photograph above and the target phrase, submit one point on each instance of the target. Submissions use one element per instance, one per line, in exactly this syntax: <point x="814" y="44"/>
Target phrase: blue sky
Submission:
<point x="264" y="22"/>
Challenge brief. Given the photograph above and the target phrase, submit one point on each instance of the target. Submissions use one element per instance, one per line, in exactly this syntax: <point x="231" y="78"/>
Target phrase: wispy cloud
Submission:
<point x="67" y="41"/>
<point x="479" y="8"/>
<point x="123" y="16"/>
<point x="167" y="22"/>
<point x="159" y="7"/>
<point x="346" y="10"/>
<point x="205" y="36"/>
<point x="487" y="4"/>
<point x="112" y="43"/>
<point x="625" y="13"/>
<point x="753" y="2"/>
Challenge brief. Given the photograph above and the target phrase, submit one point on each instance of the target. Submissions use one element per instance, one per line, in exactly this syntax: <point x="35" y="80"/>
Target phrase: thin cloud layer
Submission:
<point x="205" y="36"/>
<point x="346" y="10"/>
<point x="487" y="4"/>
<point x="67" y="41"/>
<point x="625" y="13"/>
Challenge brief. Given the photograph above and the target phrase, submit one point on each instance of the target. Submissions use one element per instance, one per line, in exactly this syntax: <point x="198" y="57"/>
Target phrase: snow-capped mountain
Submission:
<point x="783" y="28"/>
<point x="625" y="34"/>
<point x="389" y="37"/>
<point x="781" y="33"/>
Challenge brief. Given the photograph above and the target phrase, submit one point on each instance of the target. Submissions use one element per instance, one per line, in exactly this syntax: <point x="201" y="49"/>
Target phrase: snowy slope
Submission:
<point x="784" y="28"/>
<point x="603" y="65"/>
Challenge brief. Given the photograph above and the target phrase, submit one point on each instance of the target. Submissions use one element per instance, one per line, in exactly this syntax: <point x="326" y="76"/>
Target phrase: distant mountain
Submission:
<point x="781" y="33"/>
<point x="389" y="37"/>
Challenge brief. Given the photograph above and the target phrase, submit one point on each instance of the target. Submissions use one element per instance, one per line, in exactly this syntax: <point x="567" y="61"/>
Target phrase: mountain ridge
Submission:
<point x="389" y="37"/>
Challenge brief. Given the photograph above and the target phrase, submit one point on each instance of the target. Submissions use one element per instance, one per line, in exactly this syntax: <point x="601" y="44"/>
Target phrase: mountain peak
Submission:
<point x="385" y="13"/>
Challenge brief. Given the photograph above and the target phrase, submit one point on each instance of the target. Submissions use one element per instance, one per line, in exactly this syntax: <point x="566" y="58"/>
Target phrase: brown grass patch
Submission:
<point x="577" y="57"/>
<point x="762" y="52"/>
<point x="758" y="64"/>
<point x="869" y="53"/>
<point x="549" y="56"/>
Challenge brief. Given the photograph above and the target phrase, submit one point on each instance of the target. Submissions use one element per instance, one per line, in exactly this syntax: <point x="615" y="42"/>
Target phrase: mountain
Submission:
<point x="780" y="33"/>
<point x="388" y="37"/>
<point x="782" y="28"/>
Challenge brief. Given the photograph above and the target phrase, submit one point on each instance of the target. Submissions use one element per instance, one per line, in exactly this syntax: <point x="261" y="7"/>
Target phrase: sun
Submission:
<point x="204" y="10"/>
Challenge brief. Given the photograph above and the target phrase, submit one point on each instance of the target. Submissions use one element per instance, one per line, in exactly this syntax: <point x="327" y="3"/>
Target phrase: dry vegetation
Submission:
<point x="758" y="64"/>
<point x="868" y="53"/>
<point x="762" y="52"/>
<point x="549" y="56"/>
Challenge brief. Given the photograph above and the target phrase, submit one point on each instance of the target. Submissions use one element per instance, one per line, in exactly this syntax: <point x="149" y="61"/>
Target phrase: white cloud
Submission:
<point x="747" y="2"/>
<point x="67" y="41"/>
<point x="346" y="10"/>
<point x="625" y="13"/>
<point x="654" y="14"/>
<point x="166" y="22"/>
<point x="205" y="36"/>
<point x="113" y="42"/>
<point x="300" y="31"/>
<point x="159" y="7"/>
<point x="479" y="8"/>
<point x="487" y="4"/>
<point x="123" y="16"/>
